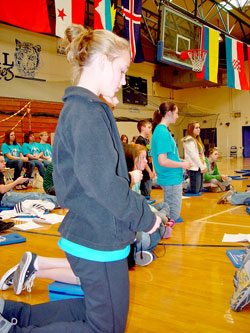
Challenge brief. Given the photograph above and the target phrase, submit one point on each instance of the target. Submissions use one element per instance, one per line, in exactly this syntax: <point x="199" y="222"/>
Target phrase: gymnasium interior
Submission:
<point x="188" y="287"/>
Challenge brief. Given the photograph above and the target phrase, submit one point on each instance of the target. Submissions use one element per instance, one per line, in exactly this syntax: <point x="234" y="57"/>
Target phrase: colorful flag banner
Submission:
<point x="236" y="74"/>
<point x="68" y="12"/>
<point x="131" y="11"/>
<point x="102" y="15"/>
<point x="210" y="43"/>
<point x="248" y="56"/>
<point x="28" y="14"/>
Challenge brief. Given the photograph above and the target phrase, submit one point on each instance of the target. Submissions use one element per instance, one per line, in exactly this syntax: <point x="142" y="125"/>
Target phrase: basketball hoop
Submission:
<point x="197" y="58"/>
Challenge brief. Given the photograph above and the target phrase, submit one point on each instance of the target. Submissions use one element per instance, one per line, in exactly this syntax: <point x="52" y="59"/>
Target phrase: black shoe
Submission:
<point x="6" y="225"/>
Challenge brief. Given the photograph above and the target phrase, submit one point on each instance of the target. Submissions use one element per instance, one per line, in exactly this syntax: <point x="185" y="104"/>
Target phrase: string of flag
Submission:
<point x="33" y="15"/>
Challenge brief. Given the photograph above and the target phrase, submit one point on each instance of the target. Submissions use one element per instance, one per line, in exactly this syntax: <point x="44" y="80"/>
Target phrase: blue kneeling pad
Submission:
<point x="179" y="220"/>
<point x="239" y="178"/>
<point x="60" y="290"/>
<point x="186" y="194"/>
<point x="235" y="255"/>
<point x="11" y="239"/>
<point x="248" y="208"/>
<point x="150" y="202"/>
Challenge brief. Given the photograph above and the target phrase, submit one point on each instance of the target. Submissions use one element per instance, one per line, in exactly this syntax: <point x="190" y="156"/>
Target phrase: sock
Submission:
<point x="2" y="301"/>
<point x="35" y="264"/>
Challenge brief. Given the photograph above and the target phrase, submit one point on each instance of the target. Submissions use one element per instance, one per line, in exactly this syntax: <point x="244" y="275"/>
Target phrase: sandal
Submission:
<point x="18" y="187"/>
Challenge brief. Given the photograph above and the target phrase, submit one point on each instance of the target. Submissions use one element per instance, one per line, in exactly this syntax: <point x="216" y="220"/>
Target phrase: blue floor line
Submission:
<point x="35" y="233"/>
<point x="200" y="245"/>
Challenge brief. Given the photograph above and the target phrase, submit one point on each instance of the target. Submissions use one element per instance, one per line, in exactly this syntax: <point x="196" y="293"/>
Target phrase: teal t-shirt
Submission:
<point x="14" y="150"/>
<point x="46" y="149"/>
<point x="163" y="143"/>
<point x="31" y="148"/>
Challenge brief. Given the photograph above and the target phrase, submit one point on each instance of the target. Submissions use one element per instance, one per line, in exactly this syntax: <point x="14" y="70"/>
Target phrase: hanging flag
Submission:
<point x="236" y="74"/>
<point x="248" y="55"/>
<point x="28" y="14"/>
<point x="210" y="43"/>
<point x="131" y="11"/>
<point x="102" y="15"/>
<point x="68" y="12"/>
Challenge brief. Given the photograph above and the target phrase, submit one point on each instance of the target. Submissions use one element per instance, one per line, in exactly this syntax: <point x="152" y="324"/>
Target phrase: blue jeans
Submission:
<point x="173" y="197"/>
<point x="163" y="211"/>
<point x="196" y="181"/>
<point x="11" y="198"/>
<point x="146" y="242"/>
<point x="18" y="164"/>
<point x="40" y="167"/>
<point x="46" y="163"/>
<point x="240" y="198"/>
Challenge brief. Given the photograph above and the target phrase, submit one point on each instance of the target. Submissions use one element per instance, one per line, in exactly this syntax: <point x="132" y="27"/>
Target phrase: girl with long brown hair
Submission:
<point x="194" y="153"/>
<point x="168" y="165"/>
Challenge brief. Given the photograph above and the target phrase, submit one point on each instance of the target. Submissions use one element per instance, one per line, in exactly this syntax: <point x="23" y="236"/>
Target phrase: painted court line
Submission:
<point x="225" y="224"/>
<point x="217" y="214"/>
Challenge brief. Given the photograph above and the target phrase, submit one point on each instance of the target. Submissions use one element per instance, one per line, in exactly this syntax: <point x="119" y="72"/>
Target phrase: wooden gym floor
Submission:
<point x="188" y="287"/>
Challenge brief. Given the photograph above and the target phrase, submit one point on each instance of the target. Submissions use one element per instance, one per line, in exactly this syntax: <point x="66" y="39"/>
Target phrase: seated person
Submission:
<point x="31" y="149"/>
<point x="213" y="180"/>
<point x="9" y="198"/>
<point x="235" y="198"/>
<point x="45" y="148"/>
<point x="134" y="139"/>
<point x="48" y="184"/>
<point x="124" y="138"/>
<point x="136" y="157"/>
<point x="33" y="266"/>
<point x="14" y="158"/>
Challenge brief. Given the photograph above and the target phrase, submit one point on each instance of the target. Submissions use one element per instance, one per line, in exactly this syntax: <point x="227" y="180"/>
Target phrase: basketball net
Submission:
<point x="197" y="58"/>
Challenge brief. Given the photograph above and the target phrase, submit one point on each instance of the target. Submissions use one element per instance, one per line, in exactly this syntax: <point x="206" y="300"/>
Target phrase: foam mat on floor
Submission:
<point x="12" y="238"/>
<point x="235" y="255"/>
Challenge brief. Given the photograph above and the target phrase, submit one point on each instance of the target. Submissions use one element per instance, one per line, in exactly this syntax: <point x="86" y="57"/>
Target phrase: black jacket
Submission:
<point x="91" y="177"/>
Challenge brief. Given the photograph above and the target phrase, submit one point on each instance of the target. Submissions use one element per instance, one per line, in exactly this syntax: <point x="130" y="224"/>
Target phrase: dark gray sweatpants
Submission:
<point x="104" y="308"/>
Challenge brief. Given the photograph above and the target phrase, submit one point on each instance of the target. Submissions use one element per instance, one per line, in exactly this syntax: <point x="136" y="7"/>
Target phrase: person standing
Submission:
<point x="194" y="153"/>
<point x="168" y="165"/>
<point x="91" y="180"/>
<point x="145" y="129"/>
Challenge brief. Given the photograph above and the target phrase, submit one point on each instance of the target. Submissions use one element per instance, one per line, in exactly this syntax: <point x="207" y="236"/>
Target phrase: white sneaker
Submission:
<point x="7" y="279"/>
<point x="226" y="198"/>
<point x="6" y="325"/>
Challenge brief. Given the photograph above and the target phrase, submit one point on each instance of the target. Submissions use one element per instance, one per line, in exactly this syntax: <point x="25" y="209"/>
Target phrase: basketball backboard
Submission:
<point x="179" y="33"/>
